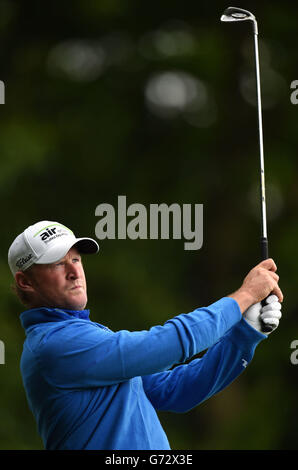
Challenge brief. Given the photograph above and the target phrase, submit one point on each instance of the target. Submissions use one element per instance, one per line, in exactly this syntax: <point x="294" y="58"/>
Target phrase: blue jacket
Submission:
<point x="91" y="388"/>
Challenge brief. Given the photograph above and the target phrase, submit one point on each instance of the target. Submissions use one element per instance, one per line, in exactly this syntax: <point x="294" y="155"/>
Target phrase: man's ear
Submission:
<point x="24" y="281"/>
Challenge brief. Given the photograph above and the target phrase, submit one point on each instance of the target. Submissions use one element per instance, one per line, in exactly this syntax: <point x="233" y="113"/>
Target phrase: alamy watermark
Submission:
<point x="294" y="354"/>
<point x="2" y="352"/>
<point x="294" y="94"/>
<point x="159" y="221"/>
<point x="2" y="92"/>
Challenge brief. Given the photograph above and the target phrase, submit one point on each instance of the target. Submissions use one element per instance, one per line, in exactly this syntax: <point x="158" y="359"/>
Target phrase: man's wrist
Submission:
<point x="243" y="298"/>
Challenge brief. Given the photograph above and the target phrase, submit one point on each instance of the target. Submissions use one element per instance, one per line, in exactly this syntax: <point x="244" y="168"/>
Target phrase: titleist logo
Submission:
<point x="20" y="263"/>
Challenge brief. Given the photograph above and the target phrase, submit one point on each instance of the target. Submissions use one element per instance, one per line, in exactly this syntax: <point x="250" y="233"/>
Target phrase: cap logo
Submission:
<point x="20" y="263"/>
<point x="48" y="234"/>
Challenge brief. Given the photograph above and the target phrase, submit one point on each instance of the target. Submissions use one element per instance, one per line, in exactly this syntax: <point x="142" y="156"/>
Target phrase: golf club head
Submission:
<point x="238" y="14"/>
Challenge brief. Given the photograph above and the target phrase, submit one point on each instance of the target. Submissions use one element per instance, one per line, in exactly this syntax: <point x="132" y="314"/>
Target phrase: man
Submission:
<point x="91" y="388"/>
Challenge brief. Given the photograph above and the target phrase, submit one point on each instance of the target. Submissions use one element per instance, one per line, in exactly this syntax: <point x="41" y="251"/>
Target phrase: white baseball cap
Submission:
<point x="43" y="243"/>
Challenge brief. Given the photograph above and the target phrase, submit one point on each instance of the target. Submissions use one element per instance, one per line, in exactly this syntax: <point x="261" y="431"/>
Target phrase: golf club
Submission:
<point x="238" y="14"/>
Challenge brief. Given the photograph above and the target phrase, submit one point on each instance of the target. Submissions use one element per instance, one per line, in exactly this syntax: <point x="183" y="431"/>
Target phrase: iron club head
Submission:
<point x="238" y="14"/>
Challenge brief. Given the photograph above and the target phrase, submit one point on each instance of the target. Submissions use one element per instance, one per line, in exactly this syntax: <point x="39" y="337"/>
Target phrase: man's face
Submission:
<point x="61" y="284"/>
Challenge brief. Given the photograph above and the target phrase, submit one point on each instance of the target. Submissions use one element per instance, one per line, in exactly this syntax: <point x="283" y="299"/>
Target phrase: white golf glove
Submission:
<point x="256" y="315"/>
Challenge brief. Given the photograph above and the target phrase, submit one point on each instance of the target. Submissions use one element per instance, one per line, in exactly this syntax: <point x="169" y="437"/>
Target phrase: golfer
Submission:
<point x="92" y="388"/>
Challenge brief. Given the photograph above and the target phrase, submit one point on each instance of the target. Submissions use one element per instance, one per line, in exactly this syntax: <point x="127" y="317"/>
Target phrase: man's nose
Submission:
<point x="72" y="271"/>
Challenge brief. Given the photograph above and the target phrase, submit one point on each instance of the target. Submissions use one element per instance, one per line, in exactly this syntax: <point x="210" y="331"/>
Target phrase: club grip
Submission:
<point x="264" y="248"/>
<point x="266" y="328"/>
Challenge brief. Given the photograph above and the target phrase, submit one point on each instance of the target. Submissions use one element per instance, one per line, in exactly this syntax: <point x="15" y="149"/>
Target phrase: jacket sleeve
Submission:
<point x="186" y="386"/>
<point x="82" y="354"/>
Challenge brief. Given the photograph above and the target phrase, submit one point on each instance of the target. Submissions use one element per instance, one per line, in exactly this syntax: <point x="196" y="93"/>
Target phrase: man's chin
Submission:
<point x="77" y="302"/>
<point x="79" y="305"/>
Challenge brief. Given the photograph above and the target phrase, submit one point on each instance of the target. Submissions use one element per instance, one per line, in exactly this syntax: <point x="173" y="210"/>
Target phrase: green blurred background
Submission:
<point x="156" y="101"/>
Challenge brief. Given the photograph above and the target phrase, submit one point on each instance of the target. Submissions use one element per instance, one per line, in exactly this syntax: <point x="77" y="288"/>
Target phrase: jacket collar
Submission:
<point x="35" y="316"/>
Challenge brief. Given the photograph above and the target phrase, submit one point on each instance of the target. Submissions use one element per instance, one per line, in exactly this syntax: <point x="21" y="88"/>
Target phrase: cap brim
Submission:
<point x="54" y="254"/>
<point x="87" y="245"/>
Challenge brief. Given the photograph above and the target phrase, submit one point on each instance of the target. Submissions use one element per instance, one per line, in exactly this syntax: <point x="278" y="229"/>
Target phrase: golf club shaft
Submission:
<point x="264" y="240"/>
<point x="239" y="14"/>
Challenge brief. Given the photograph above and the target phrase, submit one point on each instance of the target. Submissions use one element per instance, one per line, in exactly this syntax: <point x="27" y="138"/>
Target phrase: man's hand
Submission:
<point x="256" y="315"/>
<point x="261" y="281"/>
